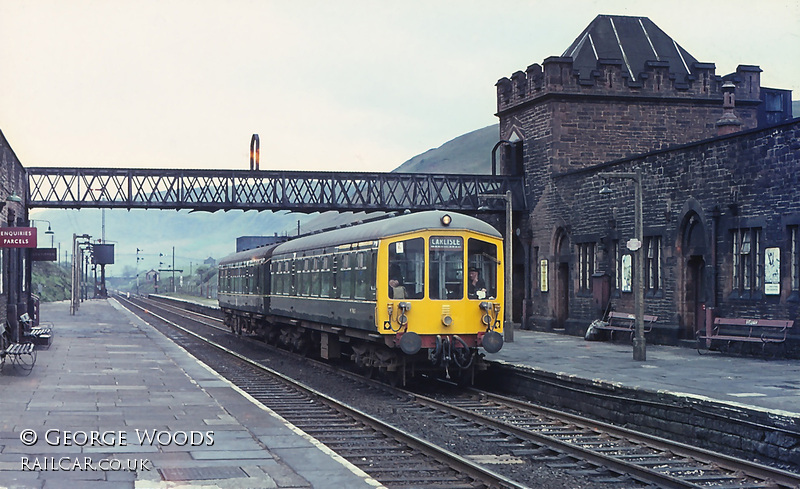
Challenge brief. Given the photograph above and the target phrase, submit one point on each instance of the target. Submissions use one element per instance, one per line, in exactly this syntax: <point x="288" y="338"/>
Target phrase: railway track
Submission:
<point x="391" y="456"/>
<point x="505" y="433"/>
<point x="646" y="458"/>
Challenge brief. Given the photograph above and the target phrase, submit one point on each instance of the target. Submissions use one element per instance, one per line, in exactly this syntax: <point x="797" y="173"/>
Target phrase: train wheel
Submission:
<point x="393" y="377"/>
<point x="365" y="369"/>
<point x="303" y="346"/>
<point x="465" y="377"/>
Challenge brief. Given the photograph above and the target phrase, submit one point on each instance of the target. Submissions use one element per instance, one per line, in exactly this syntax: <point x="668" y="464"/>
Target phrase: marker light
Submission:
<point x="446" y="219"/>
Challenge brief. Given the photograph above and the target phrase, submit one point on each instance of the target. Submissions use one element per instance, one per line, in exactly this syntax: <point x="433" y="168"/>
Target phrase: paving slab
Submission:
<point x="114" y="404"/>
<point x="680" y="371"/>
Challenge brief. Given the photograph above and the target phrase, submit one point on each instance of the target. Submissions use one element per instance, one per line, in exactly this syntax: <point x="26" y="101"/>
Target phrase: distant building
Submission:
<point x="210" y="262"/>
<point x="721" y="163"/>
<point x="244" y="243"/>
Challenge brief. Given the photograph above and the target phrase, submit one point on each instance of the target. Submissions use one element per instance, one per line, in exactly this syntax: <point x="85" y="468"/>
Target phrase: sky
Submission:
<point x="345" y="85"/>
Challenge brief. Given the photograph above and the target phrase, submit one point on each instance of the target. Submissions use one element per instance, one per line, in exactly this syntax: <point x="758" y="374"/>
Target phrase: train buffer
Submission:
<point x="620" y="321"/>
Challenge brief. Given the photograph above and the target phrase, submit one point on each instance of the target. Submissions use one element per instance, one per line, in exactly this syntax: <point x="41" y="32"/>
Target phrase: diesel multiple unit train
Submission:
<point x="405" y="294"/>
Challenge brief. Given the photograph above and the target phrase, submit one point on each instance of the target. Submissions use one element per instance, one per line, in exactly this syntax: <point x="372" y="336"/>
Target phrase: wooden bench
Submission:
<point x="738" y="330"/>
<point x="625" y="322"/>
<point x="22" y="355"/>
<point x="38" y="335"/>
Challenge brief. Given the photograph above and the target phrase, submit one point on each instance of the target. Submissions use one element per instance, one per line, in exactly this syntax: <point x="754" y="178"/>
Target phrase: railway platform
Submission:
<point x="113" y="403"/>
<point x="762" y="384"/>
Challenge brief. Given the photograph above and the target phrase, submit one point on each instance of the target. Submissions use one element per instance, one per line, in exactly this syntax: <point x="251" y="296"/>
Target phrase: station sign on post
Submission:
<point x="44" y="254"/>
<point x="18" y="237"/>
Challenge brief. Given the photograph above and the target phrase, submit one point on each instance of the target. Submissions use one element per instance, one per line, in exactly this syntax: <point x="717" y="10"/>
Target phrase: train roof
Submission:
<point x="254" y="254"/>
<point x="392" y="226"/>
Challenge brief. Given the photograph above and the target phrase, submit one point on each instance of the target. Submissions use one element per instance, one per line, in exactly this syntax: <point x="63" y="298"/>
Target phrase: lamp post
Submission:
<point x="639" y="345"/>
<point x="49" y="229"/>
<point x="76" y="273"/>
<point x="137" y="269"/>
<point x="508" y="328"/>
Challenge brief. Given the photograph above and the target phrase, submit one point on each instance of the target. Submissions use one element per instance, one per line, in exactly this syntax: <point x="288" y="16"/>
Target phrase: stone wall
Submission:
<point x="13" y="180"/>
<point x="745" y="180"/>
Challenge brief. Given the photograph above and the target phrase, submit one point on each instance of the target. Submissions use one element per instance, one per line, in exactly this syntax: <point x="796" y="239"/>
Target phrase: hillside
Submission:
<point x="469" y="153"/>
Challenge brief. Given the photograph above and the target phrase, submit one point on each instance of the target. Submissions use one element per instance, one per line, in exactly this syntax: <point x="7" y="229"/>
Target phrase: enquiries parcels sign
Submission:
<point x="17" y="237"/>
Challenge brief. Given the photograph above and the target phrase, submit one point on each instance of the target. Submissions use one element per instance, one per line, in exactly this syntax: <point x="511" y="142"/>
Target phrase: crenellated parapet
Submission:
<point x="611" y="77"/>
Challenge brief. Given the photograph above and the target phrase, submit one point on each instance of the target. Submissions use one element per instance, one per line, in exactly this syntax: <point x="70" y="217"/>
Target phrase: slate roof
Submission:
<point x="631" y="40"/>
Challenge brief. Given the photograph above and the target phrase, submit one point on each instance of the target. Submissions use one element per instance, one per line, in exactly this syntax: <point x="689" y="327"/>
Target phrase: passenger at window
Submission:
<point x="476" y="288"/>
<point x="396" y="288"/>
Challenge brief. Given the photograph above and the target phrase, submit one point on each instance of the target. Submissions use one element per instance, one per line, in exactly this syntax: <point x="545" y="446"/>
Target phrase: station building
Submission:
<point x="721" y="191"/>
<point x="14" y="273"/>
<point x="720" y="164"/>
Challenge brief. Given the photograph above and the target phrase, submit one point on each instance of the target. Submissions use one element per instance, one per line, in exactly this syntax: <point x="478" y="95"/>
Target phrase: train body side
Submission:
<point x="402" y="283"/>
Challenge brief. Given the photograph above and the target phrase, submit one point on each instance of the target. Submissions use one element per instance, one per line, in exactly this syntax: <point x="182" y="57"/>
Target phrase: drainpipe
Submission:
<point x="712" y="304"/>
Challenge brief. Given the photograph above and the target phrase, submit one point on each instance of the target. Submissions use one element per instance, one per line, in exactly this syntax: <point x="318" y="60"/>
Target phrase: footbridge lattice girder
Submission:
<point x="300" y="191"/>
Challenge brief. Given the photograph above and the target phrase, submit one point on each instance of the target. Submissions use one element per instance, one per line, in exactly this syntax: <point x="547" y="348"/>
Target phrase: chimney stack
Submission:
<point x="728" y="123"/>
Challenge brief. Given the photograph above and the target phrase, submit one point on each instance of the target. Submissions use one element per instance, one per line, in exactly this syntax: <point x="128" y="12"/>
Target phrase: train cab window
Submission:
<point x="482" y="261"/>
<point x="406" y="269"/>
<point x="446" y="272"/>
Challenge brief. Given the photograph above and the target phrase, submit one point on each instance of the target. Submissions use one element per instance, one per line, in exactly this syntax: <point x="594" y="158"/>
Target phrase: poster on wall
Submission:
<point x="772" y="271"/>
<point x="543" y="275"/>
<point x="627" y="273"/>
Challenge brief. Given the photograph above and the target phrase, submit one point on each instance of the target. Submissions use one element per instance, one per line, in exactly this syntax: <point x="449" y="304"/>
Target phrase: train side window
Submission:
<point x="306" y="277"/>
<point x="264" y="270"/>
<point x="278" y="276"/>
<point x="483" y="264"/>
<point x="371" y="274"/>
<point x="325" y="276"/>
<point x="346" y="274"/>
<point x="257" y="279"/>
<point x="286" y="278"/>
<point x="315" y="277"/>
<point x="406" y="266"/>
<point x="299" y="274"/>
<point x="335" y="279"/>
<point x="361" y="275"/>
<point x="293" y="277"/>
<point x="446" y="272"/>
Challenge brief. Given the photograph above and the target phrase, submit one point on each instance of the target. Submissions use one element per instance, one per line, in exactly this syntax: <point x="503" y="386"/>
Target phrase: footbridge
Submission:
<point x="298" y="191"/>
